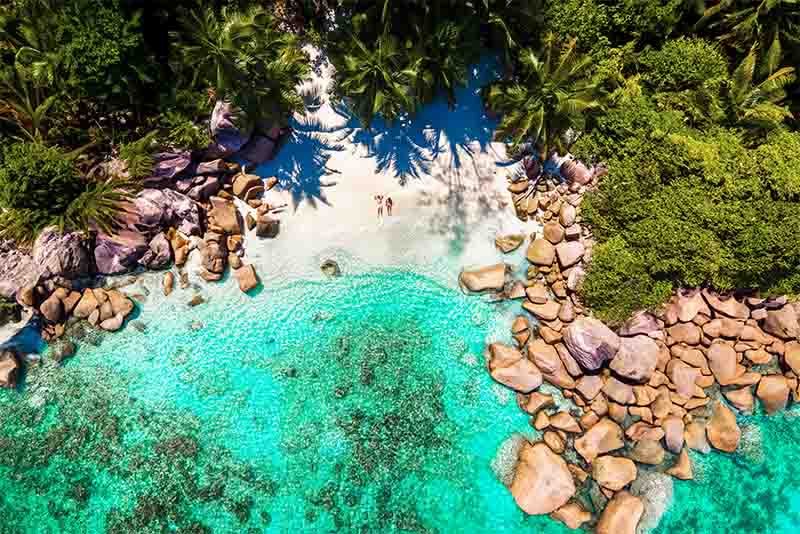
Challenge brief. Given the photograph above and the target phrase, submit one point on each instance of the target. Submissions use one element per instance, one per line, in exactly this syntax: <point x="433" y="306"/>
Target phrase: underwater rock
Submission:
<point x="505" y="459"/>
<point x="655" y="490"/>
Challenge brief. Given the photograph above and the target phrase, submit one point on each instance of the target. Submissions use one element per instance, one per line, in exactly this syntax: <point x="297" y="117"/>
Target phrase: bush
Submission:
<point x="683" y="64"/>
<point x="40" y="187"/>
<point x="686" y="207"/>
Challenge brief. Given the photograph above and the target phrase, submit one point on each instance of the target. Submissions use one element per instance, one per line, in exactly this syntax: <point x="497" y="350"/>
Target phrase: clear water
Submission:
<point x="359" y="404"/>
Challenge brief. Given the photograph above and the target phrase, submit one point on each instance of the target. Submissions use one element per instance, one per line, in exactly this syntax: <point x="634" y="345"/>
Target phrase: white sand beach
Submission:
<point x="447" y="180"/>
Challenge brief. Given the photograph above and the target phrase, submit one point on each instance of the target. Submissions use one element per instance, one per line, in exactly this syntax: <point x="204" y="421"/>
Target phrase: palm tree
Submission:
<point x="375" y="81"/>
<point x="758" y="106"/>
<point x="439" y="62"/>
<point x="772" y="24"/>
<point x="245" y="59"/>
<point x="548" y="101"/>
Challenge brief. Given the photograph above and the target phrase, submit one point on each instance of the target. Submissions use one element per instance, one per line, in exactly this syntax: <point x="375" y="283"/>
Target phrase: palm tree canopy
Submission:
<point x="552" y="95"/>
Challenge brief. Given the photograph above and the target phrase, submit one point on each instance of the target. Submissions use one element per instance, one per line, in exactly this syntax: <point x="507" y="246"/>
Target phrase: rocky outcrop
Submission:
<point x="228" y="137"/>
<point x="621" y="515"/>
<point x="605" y="436"/>
<point x="591" y="342"/>
<point x="61" y="254"/>
<point x="723" y="432"/>
<point x="511" y="368"/>
<point x="168" y="167"/>
<point x="613" y="472"/>
<point x="159" y="253"/>
<point x="10" y="368"/>
<point x="492" y="277"/>
<point x="636" y="359"/>
<point x="542" y="482"/>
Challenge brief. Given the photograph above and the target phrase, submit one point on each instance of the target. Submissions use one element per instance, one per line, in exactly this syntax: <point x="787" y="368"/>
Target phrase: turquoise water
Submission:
<point x="359" y="404"/>
<point x="754" y="491"/>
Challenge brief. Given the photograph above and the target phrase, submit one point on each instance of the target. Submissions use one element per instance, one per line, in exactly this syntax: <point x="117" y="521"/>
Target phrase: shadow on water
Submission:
<point x="409" y="148"/>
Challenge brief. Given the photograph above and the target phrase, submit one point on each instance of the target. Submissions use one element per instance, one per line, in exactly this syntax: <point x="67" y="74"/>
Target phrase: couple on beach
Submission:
<point x="384" y="200"/>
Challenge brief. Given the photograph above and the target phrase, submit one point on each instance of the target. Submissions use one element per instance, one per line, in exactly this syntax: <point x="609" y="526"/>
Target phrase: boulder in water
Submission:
<point x="492" y="277"/>
<point x="10" y="366"/>
<point x="621" y="515"/>
<point x="542" y="482"/>
<point x="330" y="268"/>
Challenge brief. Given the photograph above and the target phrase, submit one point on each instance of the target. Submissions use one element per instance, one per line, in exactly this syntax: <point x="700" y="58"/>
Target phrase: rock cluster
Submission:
<point x="642" y="394"/>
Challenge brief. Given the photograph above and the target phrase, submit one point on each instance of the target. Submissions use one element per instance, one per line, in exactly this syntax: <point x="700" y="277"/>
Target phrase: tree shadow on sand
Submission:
<point x="302" y="161"/>
<point x="408" y="147"/>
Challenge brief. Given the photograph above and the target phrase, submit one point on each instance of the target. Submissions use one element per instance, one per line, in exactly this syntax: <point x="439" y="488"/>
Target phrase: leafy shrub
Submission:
<point x="683" y="64"/>
<point x="138" y="155"/>
<point x="687" y="207"/>
<point x="105" y="48"/>
<point x="39" y="187"/>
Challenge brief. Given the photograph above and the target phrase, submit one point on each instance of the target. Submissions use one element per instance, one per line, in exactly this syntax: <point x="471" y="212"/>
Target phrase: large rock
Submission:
<point x="267" y="226"/>
<point x="167" y="168"/>
<point x="247" y="278"/>
<point x="509" y="367"/>
<point x="648" y="451"/>
<point x="729" y="307"/>
<point x="613" y="472"/>
<point x="673" y="433"/>
<point x="509" y="243"/>
<point x="159" y="254"/>
<point x="61" y="254"/>
<point x="549" y="363"/>
<point x="572" y="515"/>
<point x="52" y="309"/>
<point x="223" y="213"/>
<point x="782" y="323"/>
<point x="640" y="323"/>
<point x="591" y="342"/>
<point x="682" y="469"/>
<point x="17" y="270"/>
<point x="636" y="359"/>
<point x="492" y="277"/>
<point x="541" y="252"/>
<point x="226" y="131"/>
<point x="119" y="253"/>
<point x="773" y="392"/>
<point x="86" y="305"/>
<point x="722" y="361"/>
<point x="10" y="367"/>
<point x="723" y="432"/>
<point x="243" y="183"/>
<point x="542" y="482"/>
<point x="791" y="356"/>
<point x="603" y="437"/>
<point x="621" y="515"/>
<point x="573" y="171"/>
<point x="569" y="253"/>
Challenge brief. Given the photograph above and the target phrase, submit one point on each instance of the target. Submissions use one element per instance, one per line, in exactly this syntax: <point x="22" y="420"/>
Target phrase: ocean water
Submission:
<point x="358" y="404"/>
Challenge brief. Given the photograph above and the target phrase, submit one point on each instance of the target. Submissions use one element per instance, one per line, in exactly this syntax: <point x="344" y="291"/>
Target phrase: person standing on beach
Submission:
<point x="379" y="201"/>
<point x="389" y="205"/>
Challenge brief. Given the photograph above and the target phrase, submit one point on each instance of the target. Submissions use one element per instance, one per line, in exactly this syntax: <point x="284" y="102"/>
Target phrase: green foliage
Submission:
<point x="184" y="133"/>
<point x="374" y="80"/>
<point x="619" y="282"/>
<point x="688" y="207"/>
<point x="138" y="155"/>
<point x="245" y="58"/>
<point x="688" y="75"/>
<point x="553" y="93"/>
<point x="772" y="25"/>
<point x="683" y="64"/>
<point x="39" y="187"/>
<point x="103" y="50"/>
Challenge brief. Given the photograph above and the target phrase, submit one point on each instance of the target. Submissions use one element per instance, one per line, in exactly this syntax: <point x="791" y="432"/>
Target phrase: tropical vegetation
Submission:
<point x="691" y="104"/>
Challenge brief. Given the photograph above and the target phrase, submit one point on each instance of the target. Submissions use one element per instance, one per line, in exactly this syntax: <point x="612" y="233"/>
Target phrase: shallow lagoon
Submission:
<point x="359" y="404"/>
